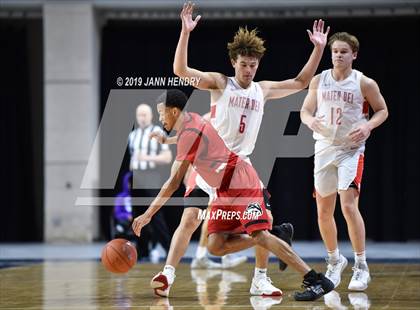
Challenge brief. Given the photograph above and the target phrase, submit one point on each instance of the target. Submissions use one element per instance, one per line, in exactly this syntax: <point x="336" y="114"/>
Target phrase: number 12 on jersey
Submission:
<point x="242" y="124"/>
<point x="336" y="115"/>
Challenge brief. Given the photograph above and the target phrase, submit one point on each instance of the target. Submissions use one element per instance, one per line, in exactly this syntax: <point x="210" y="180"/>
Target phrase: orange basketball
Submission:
<point x="119" y="256"/>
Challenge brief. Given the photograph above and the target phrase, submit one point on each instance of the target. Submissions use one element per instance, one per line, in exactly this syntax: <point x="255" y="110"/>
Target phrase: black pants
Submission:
<point x="147" y="185"/>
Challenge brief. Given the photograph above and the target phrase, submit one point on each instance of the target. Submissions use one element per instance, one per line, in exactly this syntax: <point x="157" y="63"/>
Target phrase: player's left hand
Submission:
<point x="139" y="222"/>
<point x="318" y="37"/>
<point x="360" y="134"/>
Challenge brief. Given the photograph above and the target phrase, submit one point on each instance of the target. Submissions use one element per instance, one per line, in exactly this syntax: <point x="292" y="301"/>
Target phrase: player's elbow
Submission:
<point x="386" y="113"/>
<point x="304" y="116"/>
<point x="302" y="82"/>
<point x="179" y="70"/>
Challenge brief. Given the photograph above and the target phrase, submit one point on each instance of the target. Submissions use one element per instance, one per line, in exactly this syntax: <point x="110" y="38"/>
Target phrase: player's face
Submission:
<point x="166" y="116"/>
<point x="245" y="69"/>
<point x="342" y="55"/>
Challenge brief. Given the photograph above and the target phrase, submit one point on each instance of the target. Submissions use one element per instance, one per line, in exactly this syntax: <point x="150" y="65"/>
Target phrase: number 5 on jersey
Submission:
<point x="242" y="124"/>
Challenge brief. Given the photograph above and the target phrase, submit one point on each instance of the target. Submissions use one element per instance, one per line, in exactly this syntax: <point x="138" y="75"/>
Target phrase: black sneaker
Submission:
<point x="316" y="285"/>
<point x="284" y="232"/>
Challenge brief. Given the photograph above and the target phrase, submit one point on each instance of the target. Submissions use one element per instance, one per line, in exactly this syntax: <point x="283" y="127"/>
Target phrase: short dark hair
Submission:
<point x="173" y="98"/>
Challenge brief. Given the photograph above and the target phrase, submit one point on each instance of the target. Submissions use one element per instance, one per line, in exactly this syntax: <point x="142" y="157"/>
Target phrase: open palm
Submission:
<point x="318" y="37"/>
<point x="188" y="24"/>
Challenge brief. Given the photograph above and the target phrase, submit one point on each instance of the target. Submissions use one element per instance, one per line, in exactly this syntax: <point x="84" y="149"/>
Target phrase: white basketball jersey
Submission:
<point x="341" y="105"/>
<point x="237" y="116"/>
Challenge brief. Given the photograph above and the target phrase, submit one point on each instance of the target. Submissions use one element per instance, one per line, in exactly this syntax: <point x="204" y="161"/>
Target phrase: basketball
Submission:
<point x="119" y="256"/>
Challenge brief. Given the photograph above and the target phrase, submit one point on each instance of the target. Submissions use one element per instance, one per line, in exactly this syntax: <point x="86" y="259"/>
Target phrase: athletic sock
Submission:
<point x="260" y="273"/>
<point x="334" y="256"/>
<point x="360" y="259"/>
<point x="169" y="271"/>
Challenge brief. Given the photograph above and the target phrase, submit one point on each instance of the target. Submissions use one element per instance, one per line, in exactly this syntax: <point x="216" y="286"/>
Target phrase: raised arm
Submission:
<point x="178" y="170"/>
<point x="207" y="80"/>
<point x="372" y="94"/>
<point x="274" y="90"/>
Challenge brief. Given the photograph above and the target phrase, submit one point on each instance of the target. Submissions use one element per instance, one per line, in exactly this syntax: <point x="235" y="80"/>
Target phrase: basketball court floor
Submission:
<point x="37" y="276"/>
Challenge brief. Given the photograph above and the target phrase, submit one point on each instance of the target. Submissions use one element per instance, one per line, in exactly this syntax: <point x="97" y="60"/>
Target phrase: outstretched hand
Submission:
<point x="188" y="24"/>
<point x="317" y="36"/>
<point x="139" y="222"/>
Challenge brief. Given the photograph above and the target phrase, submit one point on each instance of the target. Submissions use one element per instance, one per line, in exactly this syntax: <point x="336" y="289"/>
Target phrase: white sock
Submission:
<point x="360" y="258"/>
<point x="201" y="252"/>
<point x="260" y="272"/>
<point x="169" y="271"/>
<point x="334" y="256"/>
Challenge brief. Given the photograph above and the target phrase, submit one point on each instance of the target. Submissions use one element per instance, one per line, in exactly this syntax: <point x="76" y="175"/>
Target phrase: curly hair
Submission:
<point x="345" y="37"/>
<point x="246" y="43"/>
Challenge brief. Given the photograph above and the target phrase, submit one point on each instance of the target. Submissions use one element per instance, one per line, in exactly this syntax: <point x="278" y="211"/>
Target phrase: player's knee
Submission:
<point x="215" y="246"/>
<point x="190" y="221"/>
<point x="325" y="214"/>
<point x="215" y="250"/>
<point x="260" y="237"/>
<point x="349" y="209"/>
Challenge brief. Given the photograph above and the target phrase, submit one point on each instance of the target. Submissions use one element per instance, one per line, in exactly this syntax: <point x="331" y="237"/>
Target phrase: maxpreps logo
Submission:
<point x="253" y="210"/>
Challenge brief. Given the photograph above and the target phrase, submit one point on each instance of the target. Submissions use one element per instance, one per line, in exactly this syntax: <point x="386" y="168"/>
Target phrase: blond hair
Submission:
<point x="246" y="43"/>
<point x="345" y="37"/>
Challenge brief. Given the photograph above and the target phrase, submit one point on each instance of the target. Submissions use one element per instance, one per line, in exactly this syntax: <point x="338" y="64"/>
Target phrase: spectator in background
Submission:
<point x="145" y="156"/>
<point x="122" y="214"/>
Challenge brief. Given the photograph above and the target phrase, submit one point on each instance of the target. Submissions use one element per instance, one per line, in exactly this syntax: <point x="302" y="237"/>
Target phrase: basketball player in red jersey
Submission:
<point x="239" y="195"/>
<point x="237" y="103"/>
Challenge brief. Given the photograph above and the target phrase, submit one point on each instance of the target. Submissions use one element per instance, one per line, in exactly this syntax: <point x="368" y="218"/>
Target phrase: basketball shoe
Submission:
<point x="316" y="285"/>
<point x="335" y="269"/>
<point x="262" y="286"/>
<point x="161" y="284"/>
<point x="284" y="232"/>
<point x="360" y="279"/>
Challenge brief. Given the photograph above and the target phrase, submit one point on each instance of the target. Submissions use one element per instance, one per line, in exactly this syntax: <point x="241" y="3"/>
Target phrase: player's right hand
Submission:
<point x="317" y="125"/>
<point x="188" y="24"/>
<point x="139" y="222"/>
<point x="159" y="136"/>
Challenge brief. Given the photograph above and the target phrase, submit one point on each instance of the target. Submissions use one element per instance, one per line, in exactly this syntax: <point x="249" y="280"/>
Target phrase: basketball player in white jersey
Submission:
<point x="237" y="105"/>
<point x="336" y="109"/>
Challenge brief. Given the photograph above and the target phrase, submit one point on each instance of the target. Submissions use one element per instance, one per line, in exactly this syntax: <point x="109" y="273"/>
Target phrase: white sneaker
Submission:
<point x="263" y="303"/>
<point x="360" y="279"/>
<point x="205" y="263"/>
<point x="154" y="256"/>
<point x="360" y="301"/>
<point x="231" y="261"/>
<point x="161" y="284"/>
<point x="263" y="287"/>
<point x="335" y="270"/>
<point x="333" y="300"/>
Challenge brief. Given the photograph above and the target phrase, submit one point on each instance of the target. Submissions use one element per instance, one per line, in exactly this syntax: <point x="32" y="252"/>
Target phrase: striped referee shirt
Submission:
<point x="140" y="143"/>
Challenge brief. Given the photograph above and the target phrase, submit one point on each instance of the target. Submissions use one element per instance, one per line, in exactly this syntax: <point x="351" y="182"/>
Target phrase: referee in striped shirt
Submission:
<point x="145" y="156"/>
